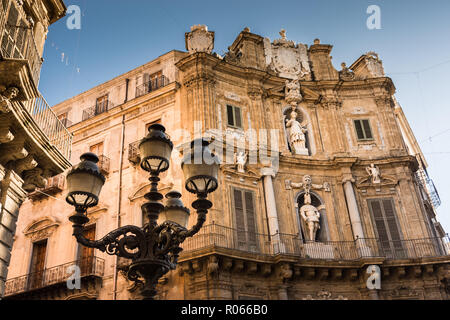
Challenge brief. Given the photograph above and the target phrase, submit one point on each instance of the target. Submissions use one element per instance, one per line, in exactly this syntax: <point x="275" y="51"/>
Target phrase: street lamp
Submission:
<point x="154" y="248"/>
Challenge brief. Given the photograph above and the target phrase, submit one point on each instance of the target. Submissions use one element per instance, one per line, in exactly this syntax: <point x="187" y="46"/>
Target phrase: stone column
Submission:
<point x="271" y="205"/>
<point x="11" y="197"/>
<point x="353" y="210"/>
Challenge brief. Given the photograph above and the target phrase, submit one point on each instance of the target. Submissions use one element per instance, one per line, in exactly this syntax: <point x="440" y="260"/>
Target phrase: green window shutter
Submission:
<point x="359" y="130"/>
<point x="250" y="213"/>
<point x="367" y="130"/>
<point x="230" y="116"/>
<point x="379" y="220"/>
<point x="239" y="214"/>
<point x="237" y="117"/>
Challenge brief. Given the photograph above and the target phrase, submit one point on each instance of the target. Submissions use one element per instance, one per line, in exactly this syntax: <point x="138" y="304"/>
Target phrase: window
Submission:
<point x="101" y="104"/>
<point x="384" y="216"/>
<point x="363" y="130"/>
<point x="234" y="117"/>
<point x="244" y="212"/>
<point x="37" y="266"/>
<point x="97" y="149"/>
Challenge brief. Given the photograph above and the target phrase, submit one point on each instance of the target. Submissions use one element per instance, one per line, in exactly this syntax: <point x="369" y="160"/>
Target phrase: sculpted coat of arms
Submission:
<point x="286" y="58"/>
<point x="199" y="39"/>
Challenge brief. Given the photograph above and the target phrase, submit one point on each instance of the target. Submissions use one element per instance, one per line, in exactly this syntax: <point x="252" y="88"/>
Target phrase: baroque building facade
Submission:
<point x="34" y="143"/>
<point x="321" y="181"/>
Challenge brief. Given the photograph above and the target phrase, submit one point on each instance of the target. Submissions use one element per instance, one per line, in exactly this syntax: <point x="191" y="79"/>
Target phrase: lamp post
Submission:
<point x="152" y="249"/>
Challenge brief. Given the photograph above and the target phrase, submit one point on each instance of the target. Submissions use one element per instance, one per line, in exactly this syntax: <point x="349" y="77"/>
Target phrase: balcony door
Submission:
<point x="86" y="255"/>
<point x="101" y="104"/>
<point x="37" y="267"/>
<point x="245" y="220"/>
<point x="384" y="216"/>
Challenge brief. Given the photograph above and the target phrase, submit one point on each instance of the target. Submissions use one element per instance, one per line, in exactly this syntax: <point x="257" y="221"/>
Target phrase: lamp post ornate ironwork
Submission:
<point x="152" y="249"/>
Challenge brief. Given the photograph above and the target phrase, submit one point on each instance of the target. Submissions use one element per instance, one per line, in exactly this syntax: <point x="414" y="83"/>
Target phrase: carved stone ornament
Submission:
<point x="6" y="97"/>
<point x="41" y="229"/>
<point x="324" y="295"/>
<point x="374" y="65"/>
<point x="307" y="185"/>
<point x="374" y="174"/>
<point x="346" y="74"/>
<point x="292" y="93"/>
<point x="286" y="58"/>
<point x="199" y="39"/>
<point x="240" y="159"/>
<point x="33" y="179"/>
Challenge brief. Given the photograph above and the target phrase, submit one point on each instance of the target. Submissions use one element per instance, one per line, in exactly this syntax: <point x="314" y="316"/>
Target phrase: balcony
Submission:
<point x="18" y="48"/>
<point x="97" y="109"/>
<point x="50" y="125"/>
<point x="428" y="185"/>
<point x="104" y="164"/>
<point x="216" y="236"/>
<point x="89" y="267"/>
<point x="54" y="185"/>
<point x="133" y="152"/>
<point x="152" y="85"/>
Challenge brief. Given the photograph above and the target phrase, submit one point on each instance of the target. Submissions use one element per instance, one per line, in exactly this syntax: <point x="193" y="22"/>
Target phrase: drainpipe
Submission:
<point x="119" y="198"/>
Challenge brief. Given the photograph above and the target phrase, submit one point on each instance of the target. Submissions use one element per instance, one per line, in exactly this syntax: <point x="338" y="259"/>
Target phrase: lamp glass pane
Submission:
<point x="84" y="182"/>
<point x="175" y="215"/>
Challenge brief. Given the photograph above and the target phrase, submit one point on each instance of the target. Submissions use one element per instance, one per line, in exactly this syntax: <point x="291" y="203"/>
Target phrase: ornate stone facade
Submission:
<point x="290" y="225"/>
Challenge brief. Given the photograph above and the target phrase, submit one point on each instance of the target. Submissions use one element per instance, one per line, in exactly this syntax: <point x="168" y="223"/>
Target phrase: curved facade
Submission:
<point x="323" y="188"/>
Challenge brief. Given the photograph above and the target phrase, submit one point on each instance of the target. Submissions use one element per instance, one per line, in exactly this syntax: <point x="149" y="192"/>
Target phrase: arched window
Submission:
<point x="323" y="234"/>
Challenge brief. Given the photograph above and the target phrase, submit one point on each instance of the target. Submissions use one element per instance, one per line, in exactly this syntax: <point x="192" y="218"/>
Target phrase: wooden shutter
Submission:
<point x="38" y="264"/>
<point x="250" y="213"/>
<point x="239" y="214"/>
<point x="244" y="211"/>
<point x="230" y="116"/>
<point x="87" y="254"/>
<point x="367" y="129"/>
<point x="386" y="224"/>
<point x="237" y="117"/>
<point x="359" y="130"/>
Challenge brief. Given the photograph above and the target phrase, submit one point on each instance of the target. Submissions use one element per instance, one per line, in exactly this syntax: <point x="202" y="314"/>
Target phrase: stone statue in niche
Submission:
<point x="5" y="98"/>
<point x="310" y="218"/>
<point x="199" y="39"/>
<point x="374" y="174"/>
<point x="240" y="159"/>
<point x="297" y="137"/>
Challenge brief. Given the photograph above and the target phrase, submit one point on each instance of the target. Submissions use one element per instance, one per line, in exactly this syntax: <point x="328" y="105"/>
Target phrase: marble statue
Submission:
<point x="311" y="218"/>
<point x="241" y="160"/>
<point x="374" y="173"/>
<point x="297" y="138"/>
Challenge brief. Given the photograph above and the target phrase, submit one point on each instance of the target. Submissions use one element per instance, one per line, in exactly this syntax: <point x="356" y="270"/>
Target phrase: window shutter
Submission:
<point x="230" y="116"/>
<point x="367" y="131"/>
<point x="379" y="221"/>
<point x="237" y="117"/>
<point x="359" y="130"/>
<point x="250" y="212"/>
<point x="239" y="213"/>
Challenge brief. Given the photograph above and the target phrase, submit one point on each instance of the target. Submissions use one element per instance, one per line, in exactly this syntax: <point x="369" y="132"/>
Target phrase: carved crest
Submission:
<point x="286" y="58"/>
<point x="199" y="39"/>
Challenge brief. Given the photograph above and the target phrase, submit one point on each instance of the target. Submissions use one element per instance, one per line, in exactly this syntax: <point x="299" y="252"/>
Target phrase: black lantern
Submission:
<point x="154" y="248"/>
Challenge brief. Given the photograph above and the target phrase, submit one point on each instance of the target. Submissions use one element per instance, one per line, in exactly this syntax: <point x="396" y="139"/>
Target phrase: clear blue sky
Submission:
<point x="413" y="43"/>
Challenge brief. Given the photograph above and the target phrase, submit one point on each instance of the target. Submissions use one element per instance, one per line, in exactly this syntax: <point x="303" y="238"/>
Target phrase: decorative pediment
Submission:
<point x="41" y="229"/>
<point x="232" y="169"/>
<point x="385" y="181"/>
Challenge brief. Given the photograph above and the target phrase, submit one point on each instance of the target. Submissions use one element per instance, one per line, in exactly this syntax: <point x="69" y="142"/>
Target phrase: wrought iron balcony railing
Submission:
<point x="54" y="185"/>
<point x="89" y="266"/>
<point x="17" y="42"/>
<point x="97" y="109"/>
<point x="240" y="240"/>
<point x="151" y="85"/>
<point x="50" y="125"/>
<point x="428" y="185"/>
